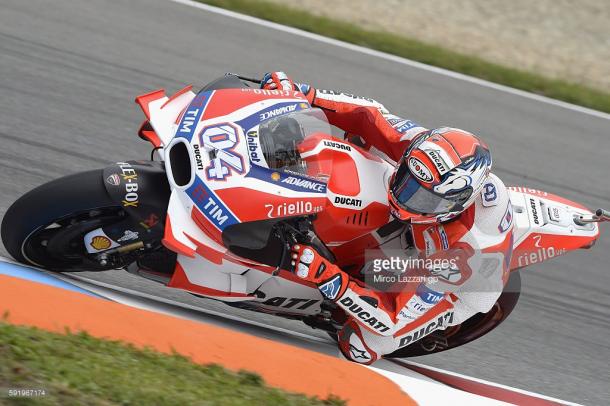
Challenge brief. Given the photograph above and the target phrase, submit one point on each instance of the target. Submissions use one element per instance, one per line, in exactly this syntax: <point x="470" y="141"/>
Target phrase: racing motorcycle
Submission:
<point x="244" y="174"/>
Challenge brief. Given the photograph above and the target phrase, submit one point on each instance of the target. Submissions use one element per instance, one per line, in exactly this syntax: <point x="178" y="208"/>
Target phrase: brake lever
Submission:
<point x="288" y="239"/>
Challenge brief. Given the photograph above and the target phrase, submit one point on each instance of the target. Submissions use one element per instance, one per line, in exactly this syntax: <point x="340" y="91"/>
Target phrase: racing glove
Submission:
<point x="310" y="265"/>
<point x="281" y="81"/>
<point x="277" y="80"/>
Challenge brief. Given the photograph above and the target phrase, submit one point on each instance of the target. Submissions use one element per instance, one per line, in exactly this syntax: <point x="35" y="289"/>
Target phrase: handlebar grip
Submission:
<point x="603" y="214"/>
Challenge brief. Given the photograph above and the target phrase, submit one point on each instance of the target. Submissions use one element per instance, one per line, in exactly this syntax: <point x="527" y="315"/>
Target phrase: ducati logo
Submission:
<point x="113" y="180"/>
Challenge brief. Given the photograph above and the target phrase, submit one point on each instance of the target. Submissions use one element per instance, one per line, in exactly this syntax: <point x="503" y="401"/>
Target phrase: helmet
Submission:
<point x="439" y="176"/>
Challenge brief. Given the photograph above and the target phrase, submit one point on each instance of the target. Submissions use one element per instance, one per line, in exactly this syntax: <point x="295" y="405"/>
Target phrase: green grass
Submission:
<point x="419" y="51"/>
<point x="77" y="369"/>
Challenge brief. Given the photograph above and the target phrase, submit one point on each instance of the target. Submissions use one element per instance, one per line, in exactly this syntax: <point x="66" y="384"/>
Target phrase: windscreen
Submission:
<point x="282" y="138"/>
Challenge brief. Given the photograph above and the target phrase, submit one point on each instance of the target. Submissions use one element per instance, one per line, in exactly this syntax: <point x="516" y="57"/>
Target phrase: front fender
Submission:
<point x="142" y="189"/>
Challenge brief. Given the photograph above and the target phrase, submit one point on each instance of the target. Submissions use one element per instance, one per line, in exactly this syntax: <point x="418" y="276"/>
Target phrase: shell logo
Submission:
<point x="100" y="243"/>
<point x="275" y="176"/>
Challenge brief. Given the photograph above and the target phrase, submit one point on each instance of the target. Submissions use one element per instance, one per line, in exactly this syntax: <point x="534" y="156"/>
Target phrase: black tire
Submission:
<point x="48" y="203"/>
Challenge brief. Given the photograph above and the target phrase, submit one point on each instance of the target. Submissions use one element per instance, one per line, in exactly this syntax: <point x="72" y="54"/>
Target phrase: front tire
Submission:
<point x="31" y="226"/>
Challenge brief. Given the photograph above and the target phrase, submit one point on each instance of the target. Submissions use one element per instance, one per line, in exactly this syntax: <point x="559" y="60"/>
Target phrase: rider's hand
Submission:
<point x="277" y="80"/>
<point x="310" y="265"/>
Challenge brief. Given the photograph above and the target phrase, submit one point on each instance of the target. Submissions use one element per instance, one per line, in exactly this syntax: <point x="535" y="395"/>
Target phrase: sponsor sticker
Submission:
<point x="351" y="306"/>
<point x="357" y="353"/>
<point x="297" y="208"/>
<point x="254" y="150"/>
<point x="129" y="235"/>
<point x="404" y="126"/>
<point x="275" y="92"/>
<point x="266" y="115"/>
<point x="290" y="302"/>
<point x="288" y="180"/>
<point x="305" y="183"/>
<point x="100" y="243"/>
<point x="210" y="205"/>
<point x="540" y="255"/>
<point x="419" y="170"/>
<point x="113" y="180"/>
<point x="130" y="178"/>
<point x="97" y="241"/>
<point x="192" y="115"/>
<point x="347" y="202"/>
<point x="392" y="119"/>
<point x="528" y="190"/>
<point x="331" y="288"/>
<point x="197" y="153"/>
<point x="438" y="161"/>
<point x="443" y="321"/>
<point x="428" y="296"/>
<point x="555" y="213"/>
<point x="535" y="211"/>
<point x="337" y="145"/>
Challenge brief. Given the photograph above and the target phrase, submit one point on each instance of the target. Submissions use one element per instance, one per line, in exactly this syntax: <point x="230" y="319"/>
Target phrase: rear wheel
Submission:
<point x="46" y="226"/>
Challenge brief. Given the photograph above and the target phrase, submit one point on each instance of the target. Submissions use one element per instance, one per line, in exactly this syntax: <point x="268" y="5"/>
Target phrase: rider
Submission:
<point x="456" y="210"/>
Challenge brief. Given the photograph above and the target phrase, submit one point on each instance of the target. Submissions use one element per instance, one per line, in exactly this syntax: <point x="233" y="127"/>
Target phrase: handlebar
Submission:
<point x="300" y="233"/>
<point x="247" y="79"/>
<point x="603" y="215"/>
<point x="600" y="216"/>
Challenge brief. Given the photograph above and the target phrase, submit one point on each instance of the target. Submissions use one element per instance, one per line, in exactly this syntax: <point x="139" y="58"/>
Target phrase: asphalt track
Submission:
<point x="69" y="71"/>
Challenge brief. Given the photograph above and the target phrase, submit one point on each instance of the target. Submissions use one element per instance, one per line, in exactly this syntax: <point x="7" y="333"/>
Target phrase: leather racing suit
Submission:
<point x="479" y="242"/>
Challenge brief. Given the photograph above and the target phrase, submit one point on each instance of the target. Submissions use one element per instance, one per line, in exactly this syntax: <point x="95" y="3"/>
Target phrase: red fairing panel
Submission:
<point x="229" y="100"/>
<point x="545" y="227"/>
<point x="145" y="99"/>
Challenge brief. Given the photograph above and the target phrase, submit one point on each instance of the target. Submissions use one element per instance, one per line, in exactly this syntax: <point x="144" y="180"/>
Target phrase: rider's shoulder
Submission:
<point x="493" y="212"/>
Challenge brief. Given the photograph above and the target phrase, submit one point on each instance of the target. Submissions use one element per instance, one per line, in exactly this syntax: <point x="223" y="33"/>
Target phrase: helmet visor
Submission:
<point x="413" y="197"/>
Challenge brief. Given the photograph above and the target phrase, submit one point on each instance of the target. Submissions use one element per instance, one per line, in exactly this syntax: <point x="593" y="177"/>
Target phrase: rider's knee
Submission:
<point x="353" y="346"/>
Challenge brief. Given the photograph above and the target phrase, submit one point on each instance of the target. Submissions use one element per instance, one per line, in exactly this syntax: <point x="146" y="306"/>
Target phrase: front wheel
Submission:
<point x="46" y="226"/>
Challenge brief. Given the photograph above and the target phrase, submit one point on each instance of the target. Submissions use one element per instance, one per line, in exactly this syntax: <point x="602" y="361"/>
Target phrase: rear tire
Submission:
<point x="58" y="200"/>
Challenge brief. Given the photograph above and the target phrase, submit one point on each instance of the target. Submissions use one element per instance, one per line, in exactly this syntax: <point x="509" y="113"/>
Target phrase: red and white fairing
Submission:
<point x="544" y="226"/>
<point x="345" y="186"/>
<point x="231" y="183"/>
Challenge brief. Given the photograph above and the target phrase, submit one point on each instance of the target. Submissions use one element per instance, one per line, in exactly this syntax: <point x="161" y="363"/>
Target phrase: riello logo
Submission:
<point x="291" y="209"/>
<point x="541" y="255"/>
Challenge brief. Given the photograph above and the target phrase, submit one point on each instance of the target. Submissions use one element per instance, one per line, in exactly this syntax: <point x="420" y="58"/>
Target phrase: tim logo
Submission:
<point x="223" y="138"/>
